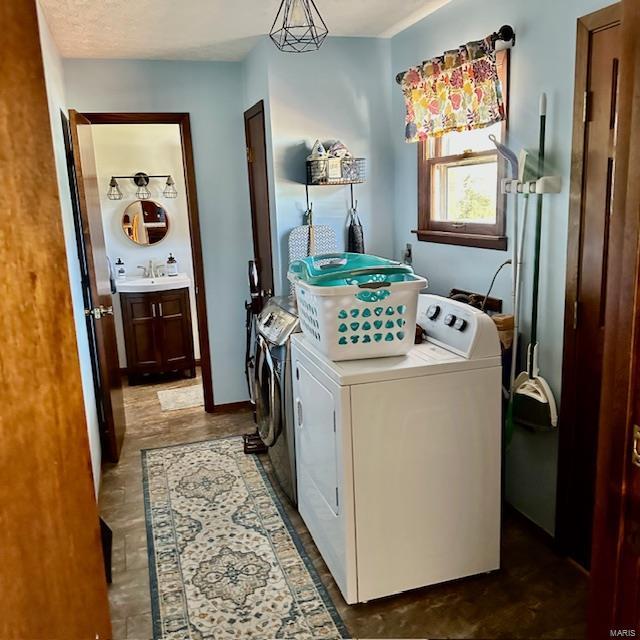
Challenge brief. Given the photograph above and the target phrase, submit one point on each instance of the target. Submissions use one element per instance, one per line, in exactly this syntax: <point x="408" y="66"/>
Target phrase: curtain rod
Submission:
<point x="503" y="38"/>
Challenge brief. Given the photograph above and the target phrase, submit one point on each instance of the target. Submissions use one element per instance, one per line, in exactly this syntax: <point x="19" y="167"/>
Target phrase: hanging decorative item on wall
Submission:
<point x="298" y="27"/>
<point x="457" y="91"/>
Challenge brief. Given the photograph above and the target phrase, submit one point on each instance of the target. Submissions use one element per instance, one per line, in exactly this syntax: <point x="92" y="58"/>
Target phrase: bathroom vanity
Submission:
<point x="156" y="318"/>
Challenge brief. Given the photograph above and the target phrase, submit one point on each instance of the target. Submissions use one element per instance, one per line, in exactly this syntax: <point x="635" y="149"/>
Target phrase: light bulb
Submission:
<point x="297" y="17"/>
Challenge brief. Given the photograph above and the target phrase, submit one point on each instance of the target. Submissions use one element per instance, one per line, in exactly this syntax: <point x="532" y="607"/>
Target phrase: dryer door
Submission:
<point x="268" y="401"/>
<point x="315" y="409"/>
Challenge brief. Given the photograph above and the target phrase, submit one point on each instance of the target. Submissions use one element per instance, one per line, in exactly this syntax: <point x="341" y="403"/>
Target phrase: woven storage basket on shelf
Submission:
<point x="336" y="171"/>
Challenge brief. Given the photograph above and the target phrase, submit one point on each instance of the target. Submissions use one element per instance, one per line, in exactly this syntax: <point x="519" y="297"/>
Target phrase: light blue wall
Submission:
<point x="543" y="60"/>
<point x="340" y="92"/>
<point x="56" y="97"/>
<point x="212" y="93"/>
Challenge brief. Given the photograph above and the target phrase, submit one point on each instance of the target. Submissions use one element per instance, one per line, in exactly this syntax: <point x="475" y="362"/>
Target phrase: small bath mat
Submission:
<point x="181" y="398"/>
<point x="224" y="559"/>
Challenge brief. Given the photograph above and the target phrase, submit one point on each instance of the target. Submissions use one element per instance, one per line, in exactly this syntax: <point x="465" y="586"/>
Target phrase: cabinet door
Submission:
<point x="174" y="316"/>
<point x="139" y="313"/>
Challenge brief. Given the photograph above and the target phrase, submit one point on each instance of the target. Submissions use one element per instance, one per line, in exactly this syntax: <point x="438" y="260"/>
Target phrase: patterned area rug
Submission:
<point x="224" y="559"/>
<point x="181" y="398"/>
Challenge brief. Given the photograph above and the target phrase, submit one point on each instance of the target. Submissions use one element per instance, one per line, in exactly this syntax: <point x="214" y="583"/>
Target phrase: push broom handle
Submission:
<point x="536" y="263"/>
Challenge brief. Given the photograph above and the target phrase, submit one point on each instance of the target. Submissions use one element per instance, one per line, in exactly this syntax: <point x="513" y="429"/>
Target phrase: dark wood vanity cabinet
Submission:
<point x="157" y="332"/>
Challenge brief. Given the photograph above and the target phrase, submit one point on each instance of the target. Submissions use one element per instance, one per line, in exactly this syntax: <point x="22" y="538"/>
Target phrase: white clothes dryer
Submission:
<point x="399" y="458"/>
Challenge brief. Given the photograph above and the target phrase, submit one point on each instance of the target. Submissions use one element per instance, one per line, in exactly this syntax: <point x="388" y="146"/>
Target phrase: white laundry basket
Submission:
<point x="354" y="308"/>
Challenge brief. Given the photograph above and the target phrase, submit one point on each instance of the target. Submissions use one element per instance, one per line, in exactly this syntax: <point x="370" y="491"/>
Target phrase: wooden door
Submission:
<point x="142" y="343"/>
<point x="52" y="580"/>
<point x="174" y="317"/>
<point x="100" y="279"/>
<point x="614" y="603"/>
<point x="592" y="189"/>
<point x="259" y="193"/>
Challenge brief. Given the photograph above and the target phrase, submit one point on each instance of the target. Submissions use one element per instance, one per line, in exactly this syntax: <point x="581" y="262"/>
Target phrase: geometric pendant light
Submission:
<point x="298" y="27"/>
<point x="114" y="192"/>
<point x="170" y="189"/>
<point x="142" y="180"/>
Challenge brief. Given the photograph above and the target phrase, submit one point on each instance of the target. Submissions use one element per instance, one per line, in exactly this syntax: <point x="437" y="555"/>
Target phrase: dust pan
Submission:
<point x="534" y="406"/>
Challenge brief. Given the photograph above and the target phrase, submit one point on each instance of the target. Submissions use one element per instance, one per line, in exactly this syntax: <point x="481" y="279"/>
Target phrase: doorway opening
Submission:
<point x="137" y="224"/>
<point x="598" y="52"/>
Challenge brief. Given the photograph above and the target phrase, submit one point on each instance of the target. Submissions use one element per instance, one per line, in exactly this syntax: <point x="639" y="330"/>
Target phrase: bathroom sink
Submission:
<point x="161" y="283"/>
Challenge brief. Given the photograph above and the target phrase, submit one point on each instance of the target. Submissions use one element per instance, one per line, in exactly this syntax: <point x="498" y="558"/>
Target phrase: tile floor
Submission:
<point x="536" y="594"/>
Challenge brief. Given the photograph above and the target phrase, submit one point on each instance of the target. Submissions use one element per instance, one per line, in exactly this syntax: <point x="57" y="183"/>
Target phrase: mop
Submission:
<point x="517" y="243"/>
<point x="518" y="247"/>
<point x="533" y="404"/>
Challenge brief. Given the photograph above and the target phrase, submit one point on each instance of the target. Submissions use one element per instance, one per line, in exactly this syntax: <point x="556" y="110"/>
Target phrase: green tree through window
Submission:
<point x="474" y="205"/>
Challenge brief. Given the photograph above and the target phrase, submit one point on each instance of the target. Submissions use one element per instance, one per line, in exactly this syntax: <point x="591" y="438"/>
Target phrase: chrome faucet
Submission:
<point x="152" y="270"/>
<point x="147" y="272"/>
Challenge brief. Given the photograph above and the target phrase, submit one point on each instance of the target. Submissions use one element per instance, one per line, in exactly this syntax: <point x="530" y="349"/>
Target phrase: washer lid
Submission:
<point x="423" y="359"/>
<point x="277" y="321"/>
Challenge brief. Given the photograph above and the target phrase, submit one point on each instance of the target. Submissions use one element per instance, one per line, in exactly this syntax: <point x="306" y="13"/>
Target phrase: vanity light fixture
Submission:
<point x="170" y="189"/>
<point x="298" y="27"/>
<point x="141" y="180"/>
<point x="114" y="192"/>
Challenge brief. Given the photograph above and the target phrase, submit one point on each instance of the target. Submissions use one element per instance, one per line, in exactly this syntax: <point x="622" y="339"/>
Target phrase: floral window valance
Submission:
<point x="457" y="91"/>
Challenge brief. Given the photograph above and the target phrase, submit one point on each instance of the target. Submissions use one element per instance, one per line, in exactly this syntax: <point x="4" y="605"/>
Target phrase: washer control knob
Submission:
<point x="433" y="311"/>
<point x="460" y="324"/>
<point x="450" y="320"/>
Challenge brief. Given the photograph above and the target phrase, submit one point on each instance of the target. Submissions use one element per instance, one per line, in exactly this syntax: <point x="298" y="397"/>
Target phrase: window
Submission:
<point x="459" y="175"/>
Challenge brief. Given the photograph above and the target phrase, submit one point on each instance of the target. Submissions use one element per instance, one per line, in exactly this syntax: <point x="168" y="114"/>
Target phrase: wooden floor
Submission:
<point x="536" y="594"/>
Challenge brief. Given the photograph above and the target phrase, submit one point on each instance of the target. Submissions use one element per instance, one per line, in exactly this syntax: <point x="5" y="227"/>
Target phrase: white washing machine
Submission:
<point x="398" y="459"/>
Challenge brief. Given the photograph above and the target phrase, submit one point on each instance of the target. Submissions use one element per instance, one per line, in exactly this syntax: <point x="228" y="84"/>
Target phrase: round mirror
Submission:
<point x="145" y="222"/>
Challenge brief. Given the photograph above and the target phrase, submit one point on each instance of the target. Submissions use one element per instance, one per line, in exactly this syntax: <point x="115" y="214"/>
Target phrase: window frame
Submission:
<point x="485" y="236"/>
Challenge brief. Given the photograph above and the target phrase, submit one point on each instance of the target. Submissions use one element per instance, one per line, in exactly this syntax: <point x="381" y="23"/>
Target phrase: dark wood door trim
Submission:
<point x="614" y="601"/>
<point x="257" y="110"/>
<point x="568" y="429"/>
<point x="183" y="120"/>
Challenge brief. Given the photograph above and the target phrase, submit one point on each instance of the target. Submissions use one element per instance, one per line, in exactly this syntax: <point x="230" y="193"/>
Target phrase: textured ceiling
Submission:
<point x="206" y="29"/>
